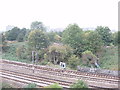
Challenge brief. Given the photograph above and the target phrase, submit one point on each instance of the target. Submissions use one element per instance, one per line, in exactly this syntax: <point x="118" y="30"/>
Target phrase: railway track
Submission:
<point x="21" y="79"/>
<point x="60" y="70"/>
<point x="38" y="79"/>
<point x="111" y="80"/>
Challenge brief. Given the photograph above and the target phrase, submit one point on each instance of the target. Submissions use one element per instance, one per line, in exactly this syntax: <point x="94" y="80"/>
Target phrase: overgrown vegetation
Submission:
<point x="31" y="85"/>
<point x="54" y="86"/>
<point x="79" y="84"/>
<point x="4" y="85"/>
<point x="109" y="60"/>
<point x="73" y="46"/>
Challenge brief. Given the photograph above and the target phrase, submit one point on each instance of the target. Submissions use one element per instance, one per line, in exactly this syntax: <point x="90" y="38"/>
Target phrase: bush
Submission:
<point x="4" y="48"/>
<point x="79" y="84"/>
<point x="44" y="62"/>
<point x="73" y="61"/>
<point x="41" y="54"/>
<point x="89" y="59"/>
<point x="109" y="59"/>
<point x="21" y="52"/>
<point x="20" y="38"/>
<point x="55" y="86"/>
<point x="5" y="85"/>
<point x="58" y="52"/>
<point x="31" y="85"/>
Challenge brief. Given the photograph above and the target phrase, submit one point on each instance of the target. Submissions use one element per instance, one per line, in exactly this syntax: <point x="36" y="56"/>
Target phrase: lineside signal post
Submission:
<point x="34" y="56"/>
<point x="34" y="59"/>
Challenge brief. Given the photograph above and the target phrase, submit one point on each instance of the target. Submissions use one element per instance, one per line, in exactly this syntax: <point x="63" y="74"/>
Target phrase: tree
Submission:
<point x="105" y="33"/>
<point x="57" y="38"/>
<point x="116" y="38"/>
<point x="54" y="37"/>
<point x="37" y="40"/>
<point x="79" y="84"/>
<point x="12" y="34"/>
<point x="21" y="52"/>
<point x="37" y="26"/>
<point x="93" y="42"/>
<point x="51" y="36"/>
<point x="73" y="36"/>
<point x="21" y="36"/>
<point x="58" y="52"/>
<point x="3" y="44"/>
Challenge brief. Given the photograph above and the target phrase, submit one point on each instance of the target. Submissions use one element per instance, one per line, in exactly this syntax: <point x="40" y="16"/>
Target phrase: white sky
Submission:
<point x="59" y="13"/>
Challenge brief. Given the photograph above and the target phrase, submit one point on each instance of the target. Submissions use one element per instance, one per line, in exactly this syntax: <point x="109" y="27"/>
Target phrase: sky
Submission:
<point x="59" y="13"/>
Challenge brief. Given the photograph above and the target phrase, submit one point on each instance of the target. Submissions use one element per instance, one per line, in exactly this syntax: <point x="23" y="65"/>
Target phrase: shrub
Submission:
<point x="20" y="38"/>
<point x="21" y="52"/>
<point x="89" y="58"/>
<point x="44" y="62"/>
<point x="4" y="48"/>
<point x="73" y="61"/>
<point x="55" y="86"/>
<point x="31" y="85"/>
<point x="5" y="85"/>
<point x="79" y="84"/>
<point x="58" y="52"/>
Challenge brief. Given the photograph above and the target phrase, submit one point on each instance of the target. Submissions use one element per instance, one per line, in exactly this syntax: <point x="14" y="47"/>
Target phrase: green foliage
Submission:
<point x="21" y="36"/>
<point x="51" y="36"/>
<point x="105" y="33"/>
<point x="37" y="40"/>
<point x="59" y="33"/>
<point x="5" y="85"/>
<point x="109" y="59"/>
<point x="2" y="39"/>
<point x="93" y="42"/>
<point x="54" y="86"/>
<point x="54" y="36"/>
<point x="21" y="52"/>
<point x="12" y="34"/>
<point x="73" y="36"/>
<point x="37" y="26"/>
<point x="57" y="38"/>
<point x="43" y="62"/>
<point x="73" y="61"/>
<point x="3" y="44"/>
<point x="41" y="53"/>
<point x="89" y="58"/>
<point x="79" y="84"/>
<point x="116" y="38"/>
<point x="11" y="52"/>
<point x="58" y="52"/>
<point x="31" y="85"/>
<point x="88" y="52"/>
<point x="27" y="34"/>
<point x="87" y="43"/>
